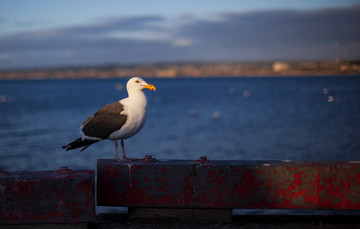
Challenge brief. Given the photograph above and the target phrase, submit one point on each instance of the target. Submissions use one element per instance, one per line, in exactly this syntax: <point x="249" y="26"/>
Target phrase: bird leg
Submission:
<point x="123" y="149"/>
<point x="125" y="158"/>
<point x="116" y="150"/>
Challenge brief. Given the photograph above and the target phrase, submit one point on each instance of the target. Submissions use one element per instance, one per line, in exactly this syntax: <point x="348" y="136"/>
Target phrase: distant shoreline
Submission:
<point x="195" y="69"/>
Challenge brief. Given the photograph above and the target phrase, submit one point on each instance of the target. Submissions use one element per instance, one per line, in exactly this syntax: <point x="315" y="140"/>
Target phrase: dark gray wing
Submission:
<point x="105" y="121"/>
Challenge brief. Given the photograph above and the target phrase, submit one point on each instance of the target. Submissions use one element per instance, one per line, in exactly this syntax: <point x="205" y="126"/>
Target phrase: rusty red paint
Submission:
<point x="229" y="184"/>
<point x="142" y="183"/>
<point x="64" y="196"/>
<point x="216" y="177"/>
<point x="149" y="158"/>
<point x="203" y="159"/>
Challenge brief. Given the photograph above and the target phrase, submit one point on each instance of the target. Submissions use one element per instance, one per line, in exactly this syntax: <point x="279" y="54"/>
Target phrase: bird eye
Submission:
<point x="137" y="81"/>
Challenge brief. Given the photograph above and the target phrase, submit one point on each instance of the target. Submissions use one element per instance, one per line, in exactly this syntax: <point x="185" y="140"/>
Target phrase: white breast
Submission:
<point x="136" y="116"/>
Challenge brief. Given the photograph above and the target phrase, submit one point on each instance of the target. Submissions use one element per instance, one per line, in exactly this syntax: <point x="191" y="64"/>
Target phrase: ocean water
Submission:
<point x="264" y="118"/>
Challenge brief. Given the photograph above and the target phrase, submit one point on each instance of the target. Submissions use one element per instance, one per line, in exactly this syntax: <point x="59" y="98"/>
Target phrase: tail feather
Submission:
<point x="79" y="143"/>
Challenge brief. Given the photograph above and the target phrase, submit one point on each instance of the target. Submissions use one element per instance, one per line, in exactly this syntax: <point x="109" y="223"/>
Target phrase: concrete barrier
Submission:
<point x="47" y="197"/>
<point x="229" y="184"/>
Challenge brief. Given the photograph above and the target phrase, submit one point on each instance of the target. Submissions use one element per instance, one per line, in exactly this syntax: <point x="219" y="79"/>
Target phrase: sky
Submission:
<point x="51" y="33"/>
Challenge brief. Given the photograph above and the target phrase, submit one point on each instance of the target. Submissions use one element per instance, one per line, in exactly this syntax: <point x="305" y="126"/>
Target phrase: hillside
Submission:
<point x="236" y="69"/>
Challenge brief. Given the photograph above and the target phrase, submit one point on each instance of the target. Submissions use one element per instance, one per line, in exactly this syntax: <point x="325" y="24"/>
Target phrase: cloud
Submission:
<point x="182" y="42"/>
<point x="30" y="23"/>
<point x="280" y="34"/>
<point x="4" y="56"/>
<point x="101" y="28"/>
<point x="147" y="23"/>
<point x="82" y="37"/>
<point x="261" y="35"/>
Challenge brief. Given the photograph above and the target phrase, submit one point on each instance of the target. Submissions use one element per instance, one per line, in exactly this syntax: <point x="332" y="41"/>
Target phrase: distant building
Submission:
<point x="280" y="66"/>
<point x="166" y="73"/>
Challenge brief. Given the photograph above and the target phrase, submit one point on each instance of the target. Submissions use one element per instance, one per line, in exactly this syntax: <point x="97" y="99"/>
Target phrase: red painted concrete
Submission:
<point x="229" y="184"/>
<point x="63" y="196"/>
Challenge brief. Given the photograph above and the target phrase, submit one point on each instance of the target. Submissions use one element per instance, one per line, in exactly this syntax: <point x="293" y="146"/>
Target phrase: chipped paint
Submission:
<point x="63" y="196"/>
<point x="230" y="184"/>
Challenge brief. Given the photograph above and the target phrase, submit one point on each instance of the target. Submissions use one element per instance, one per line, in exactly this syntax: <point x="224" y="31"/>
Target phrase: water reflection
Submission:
<point x="119" y="86"/>
<point x="246" y="93"/>
<point x="325" y="91"/>
<point x="2" y="98"/>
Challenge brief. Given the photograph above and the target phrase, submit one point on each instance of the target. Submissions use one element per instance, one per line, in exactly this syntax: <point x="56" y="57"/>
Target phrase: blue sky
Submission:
<point x="51" y="33"/>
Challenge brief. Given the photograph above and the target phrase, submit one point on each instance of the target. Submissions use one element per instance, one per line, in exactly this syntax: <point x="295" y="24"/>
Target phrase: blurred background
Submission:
<point x="67" y="33"/>
<point x="236" y="80"/>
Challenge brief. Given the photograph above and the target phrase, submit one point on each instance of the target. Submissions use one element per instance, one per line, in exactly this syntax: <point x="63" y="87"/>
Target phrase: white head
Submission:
<point x="138" y="84"/>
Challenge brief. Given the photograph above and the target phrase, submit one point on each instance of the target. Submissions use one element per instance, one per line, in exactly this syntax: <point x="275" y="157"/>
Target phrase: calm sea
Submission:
<point x="270" y="118"/>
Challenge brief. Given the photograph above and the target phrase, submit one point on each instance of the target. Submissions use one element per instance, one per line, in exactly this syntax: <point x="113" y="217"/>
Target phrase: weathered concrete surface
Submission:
<point x="63" y="196"/>
<point x="229" y="184"/>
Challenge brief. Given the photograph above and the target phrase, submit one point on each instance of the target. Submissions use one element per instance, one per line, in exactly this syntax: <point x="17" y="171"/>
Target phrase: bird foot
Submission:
<point x="127" y="159"/>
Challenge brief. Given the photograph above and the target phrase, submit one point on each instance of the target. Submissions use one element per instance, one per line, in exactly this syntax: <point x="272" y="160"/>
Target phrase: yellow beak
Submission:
<point x="150" y="86"/>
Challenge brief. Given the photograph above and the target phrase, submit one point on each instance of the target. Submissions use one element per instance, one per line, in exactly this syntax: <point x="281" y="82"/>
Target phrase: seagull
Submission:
<point x="116" y="121"/>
